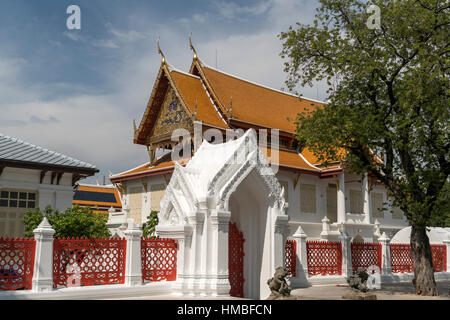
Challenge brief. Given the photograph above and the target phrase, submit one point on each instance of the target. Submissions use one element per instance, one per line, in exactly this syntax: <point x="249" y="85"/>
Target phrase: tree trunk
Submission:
<point x="423" y="263"/>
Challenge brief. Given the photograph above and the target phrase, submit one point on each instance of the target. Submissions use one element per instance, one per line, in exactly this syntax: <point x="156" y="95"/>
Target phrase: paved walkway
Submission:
<point x="391" y="291"/>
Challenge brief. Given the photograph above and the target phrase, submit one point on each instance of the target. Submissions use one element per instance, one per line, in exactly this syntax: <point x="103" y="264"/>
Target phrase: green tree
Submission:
<point x="148" y="227"/>
<point x="73" y="222"/>
<point x="388" y="103"/>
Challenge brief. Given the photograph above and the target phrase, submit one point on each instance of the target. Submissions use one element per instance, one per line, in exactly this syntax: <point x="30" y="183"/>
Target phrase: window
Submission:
<point x="332" y="203"/>
<point x="377" y="205"/>
<point x="136" y="204"/>
<point x="308" y="198"/>
<point x="13" y="205"/>
<point x="285" y="185"/>
<point x="356" y="205"/>
<point x="156" y="194"/>
<point x="17" y="199"/>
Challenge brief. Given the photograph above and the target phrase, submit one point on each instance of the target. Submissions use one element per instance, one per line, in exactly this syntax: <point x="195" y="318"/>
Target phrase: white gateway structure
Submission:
<point x="208" y="200"/>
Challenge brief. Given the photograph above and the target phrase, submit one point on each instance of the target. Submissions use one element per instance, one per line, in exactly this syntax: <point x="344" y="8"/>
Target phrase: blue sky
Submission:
<point x="78" y="91"/>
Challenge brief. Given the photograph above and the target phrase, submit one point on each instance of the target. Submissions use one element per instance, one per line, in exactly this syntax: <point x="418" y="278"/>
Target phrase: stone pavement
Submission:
<point x="388" y="291"/>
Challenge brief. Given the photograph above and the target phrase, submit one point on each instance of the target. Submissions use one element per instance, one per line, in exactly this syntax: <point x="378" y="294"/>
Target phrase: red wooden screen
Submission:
<point x="401" y="258"/>
<point x="365" y="255"/>
<point x="16" y="263"/>
<point x="236" y="260"/>
<point x="324" y="257"/>
<point x="158" y="259"/>
<point x="290" y="250"/>
<point x="99" y="260"/>
<point x="439" y="255"/>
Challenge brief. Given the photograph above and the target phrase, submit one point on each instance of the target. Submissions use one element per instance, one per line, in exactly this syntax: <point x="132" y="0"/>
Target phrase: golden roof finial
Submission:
<point x="192" y="47"/>
<point x="163" y="59"/>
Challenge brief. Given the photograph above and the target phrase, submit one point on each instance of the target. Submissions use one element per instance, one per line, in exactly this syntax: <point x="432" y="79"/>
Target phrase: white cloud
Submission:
<point x="105" y="43"/>
<point x="73" y="35"/>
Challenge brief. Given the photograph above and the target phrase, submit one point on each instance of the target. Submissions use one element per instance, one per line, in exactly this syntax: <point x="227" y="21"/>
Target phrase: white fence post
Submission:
<point x="447" y="243"/>
<point x="346" y="254"/>
<point x="385" y="254"/>
<point x="133" y="268"/>
<point x="43" y="261"/>
<point x="301" y="269"/>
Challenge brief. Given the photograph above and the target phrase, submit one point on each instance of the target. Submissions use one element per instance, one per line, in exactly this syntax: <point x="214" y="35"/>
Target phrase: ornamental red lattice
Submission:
<point x="324" y="257"/>
<point x="365" y="255"/>
<point x="158" y="259"/>
<point x="439" y="255"/>
<point x="290" y="256"/>
<point x="236" y="260"/>
<point x="401" y="258"/>
<point x="99" y="261"/>
<point x="16" y="263"/>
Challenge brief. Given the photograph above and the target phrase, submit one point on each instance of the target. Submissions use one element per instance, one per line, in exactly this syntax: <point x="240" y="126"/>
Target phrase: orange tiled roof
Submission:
<point x="96" y="201"/>
<point x="193" y="92"/>
<point x="258" y="104"/>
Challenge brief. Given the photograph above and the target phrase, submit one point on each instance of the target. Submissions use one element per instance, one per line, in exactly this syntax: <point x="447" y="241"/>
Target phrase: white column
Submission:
<point x="279" y="241"/>
<point x="133" y="268"/>
<point x="183" y="235"/>
<point x="301" y="271"/>
<point x="447" y="243"/>
<point x="43" y="259"/>
<point x="219" y="283"/>
<point x="325" y="228"/>
<point x="346" y="254"/>
<point x="341" y="199"/>
<point x="385" y="254"/>
<point x="365" y="195"/>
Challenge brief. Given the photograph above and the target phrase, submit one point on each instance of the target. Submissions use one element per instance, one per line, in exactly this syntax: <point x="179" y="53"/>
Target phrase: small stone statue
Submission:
<point x="278" y="285"/>
<point x="359" y="281"/>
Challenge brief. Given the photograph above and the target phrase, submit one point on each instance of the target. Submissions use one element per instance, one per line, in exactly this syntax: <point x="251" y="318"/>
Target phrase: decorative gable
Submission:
<point x="170" y="117"/>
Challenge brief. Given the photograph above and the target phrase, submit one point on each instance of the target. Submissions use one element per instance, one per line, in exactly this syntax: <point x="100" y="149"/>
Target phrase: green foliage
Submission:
<point x="388" y="97"/>
<point x="73" y="222"/>
<point x="148" y="227"/>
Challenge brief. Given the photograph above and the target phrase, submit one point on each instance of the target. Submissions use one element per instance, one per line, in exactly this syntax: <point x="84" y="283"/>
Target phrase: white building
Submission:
<point x="30" y="177"/>
<point x="212" y="105"/>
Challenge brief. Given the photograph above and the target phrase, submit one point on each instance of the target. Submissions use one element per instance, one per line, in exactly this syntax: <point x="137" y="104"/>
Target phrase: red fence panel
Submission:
<point x="401" y="258"/>
<point x="16" y="263"/>
<point x="439" y="255"/>
<point x="290" y="250"/>
<point x="324" y="257"/>
<point x="158" y="259"/>
<point x="365" y="254"/>
<point x="98" y="260"/>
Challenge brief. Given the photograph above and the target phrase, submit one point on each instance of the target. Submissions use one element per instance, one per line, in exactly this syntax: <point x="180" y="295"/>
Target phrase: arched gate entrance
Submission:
<point x="236" y="260"/>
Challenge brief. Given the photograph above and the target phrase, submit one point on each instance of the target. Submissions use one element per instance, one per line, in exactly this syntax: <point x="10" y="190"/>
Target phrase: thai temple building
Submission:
<point x="208" y="200"/>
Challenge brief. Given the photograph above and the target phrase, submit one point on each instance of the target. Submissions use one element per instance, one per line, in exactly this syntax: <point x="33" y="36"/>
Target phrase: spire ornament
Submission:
<point x="191" y="45"/>
<point x="163" y="58"/>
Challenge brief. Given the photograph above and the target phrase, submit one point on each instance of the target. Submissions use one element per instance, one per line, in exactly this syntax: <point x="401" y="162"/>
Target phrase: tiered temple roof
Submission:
<point x="223" y="101"/>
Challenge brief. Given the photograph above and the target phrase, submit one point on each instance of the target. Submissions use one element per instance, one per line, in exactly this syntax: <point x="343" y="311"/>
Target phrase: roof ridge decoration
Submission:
<point x="192" y="47"/>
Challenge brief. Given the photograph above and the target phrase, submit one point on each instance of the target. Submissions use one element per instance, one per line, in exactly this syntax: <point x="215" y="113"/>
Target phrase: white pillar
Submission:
<point x="219" y="283"/>
<point x="365" y="195"/>
<point x="183" y="235"/>
<point x="43" y="259"/>
<point x="385" y="254"/>
<point x="447" y="243"/>
<point x="341" y="199"/>
<point x="301" y="270"/>
<point x="346" y="254"/>
<point x="325" y="228"/>
<point x="133" y="268"/>
<point x="279" y="241"/>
